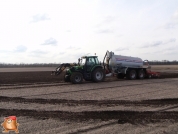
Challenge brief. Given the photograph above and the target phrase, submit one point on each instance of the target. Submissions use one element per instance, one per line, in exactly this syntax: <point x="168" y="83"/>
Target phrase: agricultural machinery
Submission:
<point x="90" y="69"/>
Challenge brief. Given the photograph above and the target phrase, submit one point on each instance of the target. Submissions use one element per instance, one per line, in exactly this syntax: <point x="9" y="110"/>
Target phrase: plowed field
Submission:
<point x="45" y="104"/>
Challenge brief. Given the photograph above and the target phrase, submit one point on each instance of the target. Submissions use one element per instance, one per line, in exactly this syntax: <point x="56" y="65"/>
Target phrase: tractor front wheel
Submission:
<point x="76" y="78"/>
<point x="98" y="75"/>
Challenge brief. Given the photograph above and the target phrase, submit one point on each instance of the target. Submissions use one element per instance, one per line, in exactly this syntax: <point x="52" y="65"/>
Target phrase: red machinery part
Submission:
<point x="151" y="74"/>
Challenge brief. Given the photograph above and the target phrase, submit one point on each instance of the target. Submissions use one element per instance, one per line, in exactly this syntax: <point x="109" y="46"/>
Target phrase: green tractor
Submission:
<point x="88" y="68"/>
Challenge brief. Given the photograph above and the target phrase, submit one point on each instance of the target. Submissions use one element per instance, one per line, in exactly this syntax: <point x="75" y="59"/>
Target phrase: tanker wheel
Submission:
<point x="120" y="76"/>
<point x="66" y="78"/>
<point x="141" y="74"/>
<point x="132" y="74"/>
<point x="76" y="78"/>
<point x="98" y="75"/>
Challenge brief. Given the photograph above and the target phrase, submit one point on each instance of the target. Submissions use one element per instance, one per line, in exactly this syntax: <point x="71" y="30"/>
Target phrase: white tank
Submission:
<point x="124" y="61"/>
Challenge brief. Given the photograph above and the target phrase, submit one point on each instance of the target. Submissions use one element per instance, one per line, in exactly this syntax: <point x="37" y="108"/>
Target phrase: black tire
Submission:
<point x="141" y="74"/>
<point x="66" y="78"/>
<point x="98" y="75"/>
<point x="76" y="78"/>
<point x="87" y="79"/>
<point x="120" y="76"/>
<point x="132" y="74"/>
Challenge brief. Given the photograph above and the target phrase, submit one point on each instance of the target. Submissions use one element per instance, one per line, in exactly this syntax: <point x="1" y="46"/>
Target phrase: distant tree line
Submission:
<point x="164" y="62"/>
<point x="4" y="65"/>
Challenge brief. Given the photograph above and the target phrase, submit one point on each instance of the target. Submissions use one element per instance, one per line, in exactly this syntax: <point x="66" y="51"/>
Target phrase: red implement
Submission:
<point x="151" y="74"/>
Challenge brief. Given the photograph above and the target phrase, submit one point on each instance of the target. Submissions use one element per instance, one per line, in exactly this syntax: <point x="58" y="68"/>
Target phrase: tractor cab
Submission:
<point x="88" y="62"/>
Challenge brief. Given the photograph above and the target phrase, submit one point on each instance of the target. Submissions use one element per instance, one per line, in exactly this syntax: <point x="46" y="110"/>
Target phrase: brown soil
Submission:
<point x="28" y="77"/>
<point x="45" y="104"/>
<point x="132" y="117"/>
<point x="45" y="76"/>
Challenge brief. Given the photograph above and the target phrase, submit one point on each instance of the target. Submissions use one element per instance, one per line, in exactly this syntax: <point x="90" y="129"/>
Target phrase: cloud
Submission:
<point x="153" y="44"/>
<point x="68" y="31"/>
<point x="79" y="55"/>
<point x="20" y="49"/>
<point x="122" y="49"/>
<point x="107" y="20"/>
<point x="50" y="41"/>
<point x="105" y="31"/>
<point x="73" y="48"/>
<point x="158" y="43"/>
<point x="105" y="25"/>
<point x="170" y="40"/>
<point x="171" y="52"/>
<point x="37" y="53"/>
<point x="61" y="53"/>
<point x="172" y="24"/>
<point x="38" y="17"/>
<point x="5" y="51"/>
<point x="176" y="15"/>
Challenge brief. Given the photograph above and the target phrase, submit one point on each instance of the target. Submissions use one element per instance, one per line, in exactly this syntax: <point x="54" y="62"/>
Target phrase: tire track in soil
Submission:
<point x="19" y="84"/>
<point x="93" y="128"/>
<point x="34" y="85"/>
<point x="100" y="88"/>
<point x="133" y="117"/>
<point x="169" y="108"/>
<point x="153" y="102"/>
<point x="139" y="94"/>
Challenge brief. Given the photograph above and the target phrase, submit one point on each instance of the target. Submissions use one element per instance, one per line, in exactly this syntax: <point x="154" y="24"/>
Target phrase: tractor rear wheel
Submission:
<point x="132" y="74"/>
<point x="98" y="75"/>
<point x="76" y="78"/>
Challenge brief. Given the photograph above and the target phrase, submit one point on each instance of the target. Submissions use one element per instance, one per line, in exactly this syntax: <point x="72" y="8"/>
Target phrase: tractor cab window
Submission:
<point x="91" y="61"/>
<point x="97" y="62"/>
<point x="82" y="61"/>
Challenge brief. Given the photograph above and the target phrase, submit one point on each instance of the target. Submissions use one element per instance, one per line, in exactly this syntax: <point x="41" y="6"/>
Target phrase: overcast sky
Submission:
<point x="48" y="31"/>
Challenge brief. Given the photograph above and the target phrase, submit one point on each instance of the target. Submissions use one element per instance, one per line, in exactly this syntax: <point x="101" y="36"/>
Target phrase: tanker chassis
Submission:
<point x="90" y="69"/>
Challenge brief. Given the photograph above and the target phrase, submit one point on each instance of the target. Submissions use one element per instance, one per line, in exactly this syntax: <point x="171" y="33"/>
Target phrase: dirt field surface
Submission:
<point x="45" y="104"/>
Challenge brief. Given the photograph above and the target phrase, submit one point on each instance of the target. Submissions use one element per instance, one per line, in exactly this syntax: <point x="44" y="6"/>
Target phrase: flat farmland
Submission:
<point x="45" y="104"/>
<point x="43" y="74"/>
<point x="165" y="68"/>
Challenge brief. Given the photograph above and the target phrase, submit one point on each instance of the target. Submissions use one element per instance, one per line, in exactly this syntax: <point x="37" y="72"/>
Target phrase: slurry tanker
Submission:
<point x="90" y="69"/>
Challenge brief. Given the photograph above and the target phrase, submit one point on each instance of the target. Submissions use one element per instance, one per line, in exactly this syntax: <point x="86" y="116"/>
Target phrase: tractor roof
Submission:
<point x="84" y="57"/>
